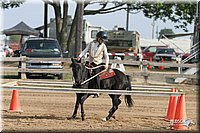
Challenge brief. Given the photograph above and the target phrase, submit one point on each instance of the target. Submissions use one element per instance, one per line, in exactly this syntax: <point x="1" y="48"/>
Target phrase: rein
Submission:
<point x="94" y="67"/>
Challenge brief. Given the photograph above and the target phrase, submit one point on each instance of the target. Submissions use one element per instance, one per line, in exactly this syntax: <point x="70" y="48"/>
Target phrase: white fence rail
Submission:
<point x="144" y="64"/>
<point x="145" y="91"/>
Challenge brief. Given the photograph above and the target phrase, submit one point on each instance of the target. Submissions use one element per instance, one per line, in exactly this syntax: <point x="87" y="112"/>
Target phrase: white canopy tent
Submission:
<point x="179" y="45"/>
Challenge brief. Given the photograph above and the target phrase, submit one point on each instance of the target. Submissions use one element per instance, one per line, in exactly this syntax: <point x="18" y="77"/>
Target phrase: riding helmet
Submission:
<point x="102" y="35"/>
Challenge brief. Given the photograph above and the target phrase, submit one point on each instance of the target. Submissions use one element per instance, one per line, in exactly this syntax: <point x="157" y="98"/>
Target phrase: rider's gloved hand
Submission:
<point x="106" y="67"/>
<point x="78" y="58"/>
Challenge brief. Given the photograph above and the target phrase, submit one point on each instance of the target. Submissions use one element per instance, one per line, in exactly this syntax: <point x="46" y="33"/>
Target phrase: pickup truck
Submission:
<point x="42" y="48"/>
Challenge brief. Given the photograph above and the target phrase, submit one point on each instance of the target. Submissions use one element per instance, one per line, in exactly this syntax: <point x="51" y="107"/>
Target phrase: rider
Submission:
<point x="97" y="50"/>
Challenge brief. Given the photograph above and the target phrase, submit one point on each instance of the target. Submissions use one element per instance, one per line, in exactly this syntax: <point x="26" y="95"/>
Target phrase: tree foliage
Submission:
<point x="179" y="13"/>
<point x="6" y="4"/>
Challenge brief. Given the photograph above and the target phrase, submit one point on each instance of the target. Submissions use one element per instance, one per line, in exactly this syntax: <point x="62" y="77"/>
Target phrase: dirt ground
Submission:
<point x="48" y="111"/>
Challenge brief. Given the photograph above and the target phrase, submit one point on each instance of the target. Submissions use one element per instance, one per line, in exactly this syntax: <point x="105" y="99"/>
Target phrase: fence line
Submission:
<point x="126" y="62"/>
<point x="24" y="70"/>
<point x="15" y="69"/>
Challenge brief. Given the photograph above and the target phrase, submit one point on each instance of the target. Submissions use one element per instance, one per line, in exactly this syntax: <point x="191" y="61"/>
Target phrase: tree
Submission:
<point x="101" y="10"/>
<point x="61" y="20"/>
<point x="180" y="13"/>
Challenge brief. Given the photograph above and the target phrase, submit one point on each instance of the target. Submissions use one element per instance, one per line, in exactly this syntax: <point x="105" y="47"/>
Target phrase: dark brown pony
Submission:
<point x="118" y="82"/>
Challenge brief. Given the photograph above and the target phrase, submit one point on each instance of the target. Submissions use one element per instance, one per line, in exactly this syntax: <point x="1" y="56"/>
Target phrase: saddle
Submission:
<point x="107" y="74"/>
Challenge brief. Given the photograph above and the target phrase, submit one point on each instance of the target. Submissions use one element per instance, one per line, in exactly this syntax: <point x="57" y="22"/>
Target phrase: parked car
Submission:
<point x="42" y="48"/>
<point x="150" y="51"/>
<point x="168" y="54"/>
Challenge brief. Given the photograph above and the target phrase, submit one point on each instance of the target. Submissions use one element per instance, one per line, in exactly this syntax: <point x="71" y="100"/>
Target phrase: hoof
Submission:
<point x="71" y="118"/>
<point x="104" y="119"/>
<point x="113" y="117"/>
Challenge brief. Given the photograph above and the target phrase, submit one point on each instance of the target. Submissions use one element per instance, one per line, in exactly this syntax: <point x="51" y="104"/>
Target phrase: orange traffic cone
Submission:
<point x="15" y="103"/>
<point x="150" y="60"/>
<point x="162" y="67"/>
<point x="180" y="115"/>
<point x="172" y="106"/>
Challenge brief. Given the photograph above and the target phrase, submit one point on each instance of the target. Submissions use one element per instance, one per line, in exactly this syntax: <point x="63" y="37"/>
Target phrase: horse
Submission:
<point x="119" y="81"/>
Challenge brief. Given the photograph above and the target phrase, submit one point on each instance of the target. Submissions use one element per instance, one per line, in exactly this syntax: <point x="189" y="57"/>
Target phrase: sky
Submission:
<point x="32" y="13"/>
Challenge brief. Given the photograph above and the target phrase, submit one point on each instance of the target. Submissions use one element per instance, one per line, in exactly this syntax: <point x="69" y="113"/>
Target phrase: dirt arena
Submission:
<point x="48" y="111"/>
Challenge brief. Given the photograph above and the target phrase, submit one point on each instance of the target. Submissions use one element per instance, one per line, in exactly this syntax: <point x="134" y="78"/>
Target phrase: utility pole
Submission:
<point x="157" y="32"/>
<point x="198" y="19"/>
<point x="45" y="19"/>
<point x="127" y="17"/>
<point x="153" y="25"/>
<point x="196" y="28"/>
<point x="79" y="29"/>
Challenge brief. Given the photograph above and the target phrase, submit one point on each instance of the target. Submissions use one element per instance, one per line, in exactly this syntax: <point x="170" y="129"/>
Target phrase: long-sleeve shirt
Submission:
<point x="96" y="53"/>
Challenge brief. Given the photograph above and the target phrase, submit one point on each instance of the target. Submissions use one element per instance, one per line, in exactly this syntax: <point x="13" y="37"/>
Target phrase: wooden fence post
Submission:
<point x="145" y="73"/>
<point x="23" y="67"/>
<point x="179" y="68"/>
<point x="140" y="59"/>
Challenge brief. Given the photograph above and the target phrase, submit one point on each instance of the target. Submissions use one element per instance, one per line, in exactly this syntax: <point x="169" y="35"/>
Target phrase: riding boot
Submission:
<point x="97" y="80"/>
<point x="97" y="86"/>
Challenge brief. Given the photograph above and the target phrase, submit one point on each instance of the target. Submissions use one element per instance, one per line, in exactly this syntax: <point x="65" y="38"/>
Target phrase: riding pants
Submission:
<point x="97" y="70"/>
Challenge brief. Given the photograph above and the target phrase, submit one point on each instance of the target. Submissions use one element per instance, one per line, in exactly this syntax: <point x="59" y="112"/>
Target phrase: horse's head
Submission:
<point x="79" y="72"/>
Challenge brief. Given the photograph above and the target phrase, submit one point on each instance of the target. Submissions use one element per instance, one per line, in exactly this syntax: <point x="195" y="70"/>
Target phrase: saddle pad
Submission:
<point x="107" y="74"/>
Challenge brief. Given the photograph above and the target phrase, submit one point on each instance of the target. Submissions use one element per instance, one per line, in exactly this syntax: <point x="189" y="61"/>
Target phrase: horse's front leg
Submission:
<point x="83" y="98"/>
<point x="78" y="98"/>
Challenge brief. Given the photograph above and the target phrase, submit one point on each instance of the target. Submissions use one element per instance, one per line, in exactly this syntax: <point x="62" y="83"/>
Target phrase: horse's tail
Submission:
<point x="128" y="99"/>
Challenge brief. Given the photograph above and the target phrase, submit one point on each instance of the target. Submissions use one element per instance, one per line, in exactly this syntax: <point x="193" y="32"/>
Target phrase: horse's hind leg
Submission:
<point x="115" y="102"/>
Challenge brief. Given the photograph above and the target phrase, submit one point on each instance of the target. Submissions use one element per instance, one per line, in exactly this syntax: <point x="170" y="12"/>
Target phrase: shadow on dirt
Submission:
<point x="29" y="77"/>
<point x="33" y="117"/>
